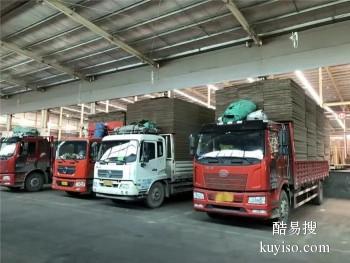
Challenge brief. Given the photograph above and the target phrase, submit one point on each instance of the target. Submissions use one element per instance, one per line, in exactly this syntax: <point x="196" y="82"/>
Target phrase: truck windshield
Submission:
<point x="7" y="149"/>
<point x="71" y="150"/>
<point x="238" y="147"/>
<point x="120" y="152"/>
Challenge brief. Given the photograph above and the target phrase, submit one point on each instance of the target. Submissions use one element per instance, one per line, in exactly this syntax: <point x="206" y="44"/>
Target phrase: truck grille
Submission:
<point x="116" y="174"/>
<point x="66" y="169"/>
<point x="231" y="182"/>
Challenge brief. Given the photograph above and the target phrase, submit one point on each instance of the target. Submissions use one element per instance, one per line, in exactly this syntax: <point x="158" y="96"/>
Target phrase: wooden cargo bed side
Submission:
<point x="306" y="172"/>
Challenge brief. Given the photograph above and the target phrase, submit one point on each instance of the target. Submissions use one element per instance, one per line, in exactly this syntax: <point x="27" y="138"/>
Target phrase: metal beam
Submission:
<point x="99" y="31"/>
<point x="243" y="21"/>
<point x="325" y="47"/>
<point x="332" y="104"/>
<point x="110" y="105"/>
<point x="18" y="82"/>
<point x="40" y="59"/>
<point x="320" y="85"/>
<point x="335" y="86"/>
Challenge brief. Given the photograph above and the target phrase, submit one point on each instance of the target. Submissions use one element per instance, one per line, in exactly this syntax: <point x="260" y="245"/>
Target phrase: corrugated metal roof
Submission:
<point x="160" y="29"/>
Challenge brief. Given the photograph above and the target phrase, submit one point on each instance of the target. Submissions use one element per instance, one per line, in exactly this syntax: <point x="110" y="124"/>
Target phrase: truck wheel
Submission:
<point x="34" y="182"/>
<point x="284" y="207"/>
<point x="318" y="200"/>
<point x="155" y="197"/>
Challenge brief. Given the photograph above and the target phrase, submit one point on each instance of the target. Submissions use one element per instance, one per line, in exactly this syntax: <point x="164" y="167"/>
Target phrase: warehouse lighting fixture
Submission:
<point x="126" y="100"/>
<point x="300" y="75"/>
<point x="71" y="109"/>
<point x="192" y="98"/>
<point x="212" y="87"/>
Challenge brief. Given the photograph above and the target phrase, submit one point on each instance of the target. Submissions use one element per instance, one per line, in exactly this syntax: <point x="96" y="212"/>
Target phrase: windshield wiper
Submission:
<point x="110" y="160"/>
<point x="210" y="159"/>
<point x="241" y="159"/>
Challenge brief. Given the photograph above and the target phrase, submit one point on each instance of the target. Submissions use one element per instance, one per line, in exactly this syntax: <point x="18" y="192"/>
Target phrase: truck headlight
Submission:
<point x="6" y="178"/>
<point x="258" y="200"/>
<point x="124" y="186"/>
<point x="80" y="184"/>
<point x="198" y="195"/>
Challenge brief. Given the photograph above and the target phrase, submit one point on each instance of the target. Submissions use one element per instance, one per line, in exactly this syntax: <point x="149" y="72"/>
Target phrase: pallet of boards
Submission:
<point x="283" y="100"/>
<point x="172" y="116"/>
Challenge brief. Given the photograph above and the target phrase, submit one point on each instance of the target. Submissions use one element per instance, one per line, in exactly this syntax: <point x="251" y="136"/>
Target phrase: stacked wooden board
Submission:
<point x="284" y="100"/>
<point x="172" y="116"/>
<point x="107" y="117"/>
<point x="311" y="126"/>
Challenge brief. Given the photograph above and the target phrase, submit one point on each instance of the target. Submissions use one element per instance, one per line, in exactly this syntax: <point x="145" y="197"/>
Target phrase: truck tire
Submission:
<point x="34" y="182"/>
<point x="318" y="200"/>
<point x="284" y="208"/>
<point x="155" y="197"/>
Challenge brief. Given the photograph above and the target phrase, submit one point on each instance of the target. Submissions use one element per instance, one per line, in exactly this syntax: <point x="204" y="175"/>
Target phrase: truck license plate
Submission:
<point x="64" y="183"/>
<point x="224" y="197"/>
<point x="107" y="183"/>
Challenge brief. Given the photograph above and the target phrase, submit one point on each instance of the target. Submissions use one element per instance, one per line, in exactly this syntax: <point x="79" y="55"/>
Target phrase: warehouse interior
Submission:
<point x="63" y="62"/>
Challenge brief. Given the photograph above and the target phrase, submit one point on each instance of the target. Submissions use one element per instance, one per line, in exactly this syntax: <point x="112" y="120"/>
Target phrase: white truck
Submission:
<point x="146" y="164"/>
<point x="140" y="166"/>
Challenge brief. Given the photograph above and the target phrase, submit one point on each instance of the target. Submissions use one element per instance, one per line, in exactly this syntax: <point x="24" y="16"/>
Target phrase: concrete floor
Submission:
<point x="51" y="227"/>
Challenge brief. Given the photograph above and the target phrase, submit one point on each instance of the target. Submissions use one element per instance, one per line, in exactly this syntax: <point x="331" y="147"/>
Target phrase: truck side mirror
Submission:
<point x="193" y="141"/>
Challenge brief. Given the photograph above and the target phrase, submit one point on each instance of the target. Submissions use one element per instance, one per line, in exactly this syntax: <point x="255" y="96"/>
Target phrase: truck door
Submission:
<point x="28" y="156"/>
<point x="93" y="153"/>
<point x="278" y="168"/>
<point x="151" y="163"/>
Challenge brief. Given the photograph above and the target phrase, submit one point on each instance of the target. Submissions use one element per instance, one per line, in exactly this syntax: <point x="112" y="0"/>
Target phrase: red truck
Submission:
<point x="76" y="157"/>
<point x="250" y="169"/>
<point x="74" y="165"/>
<point x="25" y="162"/>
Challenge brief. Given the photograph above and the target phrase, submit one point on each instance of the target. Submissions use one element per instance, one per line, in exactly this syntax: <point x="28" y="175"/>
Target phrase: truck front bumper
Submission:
<point x="236" y="203"/>
<point x="11" y="180"/>
<point x="72" y="185"/>
<point x="116" y="189"/>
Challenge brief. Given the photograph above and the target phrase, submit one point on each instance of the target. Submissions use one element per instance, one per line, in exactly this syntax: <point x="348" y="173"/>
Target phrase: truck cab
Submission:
<point x="74" y="165"/>
<point x="25" y="162"/>
<point x="140" y="166"/>
<point x="241" y="168"/>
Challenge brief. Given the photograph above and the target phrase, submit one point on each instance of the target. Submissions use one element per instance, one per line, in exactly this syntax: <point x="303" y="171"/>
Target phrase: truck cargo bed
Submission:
<point x="306" y="172"/>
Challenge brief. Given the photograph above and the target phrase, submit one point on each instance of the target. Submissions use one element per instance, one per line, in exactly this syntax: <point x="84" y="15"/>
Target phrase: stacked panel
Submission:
<point x="284" y="100"/>
<point x="172" y="116"/>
